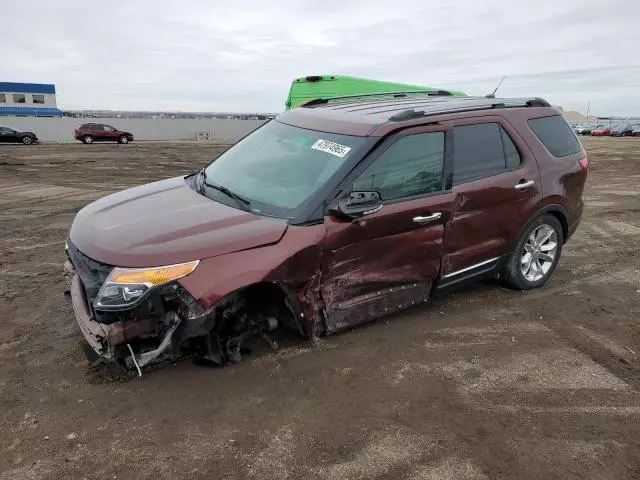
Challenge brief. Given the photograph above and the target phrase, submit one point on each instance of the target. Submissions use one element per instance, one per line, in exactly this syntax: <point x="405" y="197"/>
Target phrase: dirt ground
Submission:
<point x="483" y="383"/>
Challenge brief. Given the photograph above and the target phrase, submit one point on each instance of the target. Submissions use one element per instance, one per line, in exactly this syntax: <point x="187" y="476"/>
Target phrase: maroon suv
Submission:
<point x="333" y="214"/>
<point x="99" y="132"/>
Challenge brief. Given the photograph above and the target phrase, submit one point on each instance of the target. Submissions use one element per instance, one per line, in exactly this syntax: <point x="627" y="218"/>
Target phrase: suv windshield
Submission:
<point x="279" y="167"/>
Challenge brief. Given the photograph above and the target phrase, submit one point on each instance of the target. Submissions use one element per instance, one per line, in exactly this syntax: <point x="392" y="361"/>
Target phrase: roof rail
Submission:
<point x="429" y="93"/>
<point x="491" y="103"/>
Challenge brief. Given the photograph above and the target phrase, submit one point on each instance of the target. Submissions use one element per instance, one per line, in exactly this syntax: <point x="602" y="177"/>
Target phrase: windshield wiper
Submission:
<point x="221" y="188"/>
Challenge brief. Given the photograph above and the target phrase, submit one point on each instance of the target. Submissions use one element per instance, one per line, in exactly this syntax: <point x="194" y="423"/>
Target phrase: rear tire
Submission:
<point x="123" y="139"/>
<point x="536" y="254"/>
<point x="27" y="140"/>
<point x="87" y="139"/>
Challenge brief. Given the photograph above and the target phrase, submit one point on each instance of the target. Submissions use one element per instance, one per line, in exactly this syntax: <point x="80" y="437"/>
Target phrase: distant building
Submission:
<point x="28" y="100"/>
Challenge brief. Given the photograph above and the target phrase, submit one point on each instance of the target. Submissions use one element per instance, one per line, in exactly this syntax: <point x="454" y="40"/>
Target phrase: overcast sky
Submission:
<point x="242" y="55"/>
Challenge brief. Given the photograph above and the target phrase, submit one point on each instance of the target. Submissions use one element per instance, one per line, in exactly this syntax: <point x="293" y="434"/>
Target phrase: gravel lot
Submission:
<point x="483" y="383"/>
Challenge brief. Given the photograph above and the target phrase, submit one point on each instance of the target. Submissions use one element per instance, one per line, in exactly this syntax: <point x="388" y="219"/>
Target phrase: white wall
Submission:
<point x="62" y="129"/>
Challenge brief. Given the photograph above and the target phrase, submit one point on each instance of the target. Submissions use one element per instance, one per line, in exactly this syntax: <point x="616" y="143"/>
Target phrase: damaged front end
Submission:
<point x="121" y="312"/>
<point x="127" y="318"/>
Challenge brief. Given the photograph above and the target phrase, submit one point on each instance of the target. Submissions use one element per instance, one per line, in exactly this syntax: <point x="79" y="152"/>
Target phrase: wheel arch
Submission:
<point x="270" y="295"/>
<point x="555" y="209"/>
<point x="560" y="213"/>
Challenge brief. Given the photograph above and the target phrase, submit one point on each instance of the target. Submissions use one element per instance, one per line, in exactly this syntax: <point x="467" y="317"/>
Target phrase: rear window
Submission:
<point x="555" y="134"/>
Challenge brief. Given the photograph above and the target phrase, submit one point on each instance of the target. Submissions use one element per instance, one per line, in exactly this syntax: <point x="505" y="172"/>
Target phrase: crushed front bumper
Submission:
<point x="101" y="337"/>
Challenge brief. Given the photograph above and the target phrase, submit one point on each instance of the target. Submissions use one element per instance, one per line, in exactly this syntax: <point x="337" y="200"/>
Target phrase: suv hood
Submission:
<point x="167" y="222"/>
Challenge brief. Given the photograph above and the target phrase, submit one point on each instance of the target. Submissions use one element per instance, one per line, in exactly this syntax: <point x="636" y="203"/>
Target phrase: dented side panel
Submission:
<point x="384" y="262"/>
<point x="293" y="264"/>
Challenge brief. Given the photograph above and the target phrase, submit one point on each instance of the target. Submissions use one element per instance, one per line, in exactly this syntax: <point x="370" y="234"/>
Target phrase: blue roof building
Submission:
<point x="28" y="100"/>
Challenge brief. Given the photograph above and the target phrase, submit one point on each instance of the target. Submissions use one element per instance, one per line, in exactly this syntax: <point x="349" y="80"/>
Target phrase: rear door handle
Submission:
<point x="523" y="185"/>
<point x="427" y="218"/>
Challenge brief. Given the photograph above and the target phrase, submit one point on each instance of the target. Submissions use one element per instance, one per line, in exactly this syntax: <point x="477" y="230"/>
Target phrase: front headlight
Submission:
<point x="125" y="286"/>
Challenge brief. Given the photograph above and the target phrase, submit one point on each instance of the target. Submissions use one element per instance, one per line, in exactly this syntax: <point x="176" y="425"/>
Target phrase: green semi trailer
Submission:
<point x="326" y="86"/>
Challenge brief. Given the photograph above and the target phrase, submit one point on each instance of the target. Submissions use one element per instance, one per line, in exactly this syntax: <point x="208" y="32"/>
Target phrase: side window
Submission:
<point x="107" y="128"/>
<point x="512" y="157"/>
<point x="19" y="98"/>
<point x="3" y="98"/>
<point x="37" y="98"/>
<point x="555" y="134"/>
<point x="411" y="166"/>
<point x="482" y="149"/>
<point x="96" y="128"/>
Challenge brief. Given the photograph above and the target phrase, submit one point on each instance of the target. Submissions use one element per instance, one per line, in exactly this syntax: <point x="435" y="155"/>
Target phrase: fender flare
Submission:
<point x="557" y="210"/>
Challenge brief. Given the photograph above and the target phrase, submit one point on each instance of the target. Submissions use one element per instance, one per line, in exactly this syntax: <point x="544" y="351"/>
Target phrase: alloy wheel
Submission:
<point x="539" y="253"/>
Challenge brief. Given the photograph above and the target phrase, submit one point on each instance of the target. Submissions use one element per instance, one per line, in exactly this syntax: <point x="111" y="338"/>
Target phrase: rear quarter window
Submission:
<point x="555" y="134"/>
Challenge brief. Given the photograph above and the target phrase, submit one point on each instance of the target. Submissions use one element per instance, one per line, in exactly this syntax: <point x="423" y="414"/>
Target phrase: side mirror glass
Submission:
<point x="357" y="204"/>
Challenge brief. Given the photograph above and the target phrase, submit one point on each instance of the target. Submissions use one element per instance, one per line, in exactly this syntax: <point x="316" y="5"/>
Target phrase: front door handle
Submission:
<point x="523" y="185"/>
<point x="427" y="218"/>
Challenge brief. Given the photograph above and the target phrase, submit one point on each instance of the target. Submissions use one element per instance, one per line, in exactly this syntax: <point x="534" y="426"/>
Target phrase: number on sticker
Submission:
<point x="331" y="147"/>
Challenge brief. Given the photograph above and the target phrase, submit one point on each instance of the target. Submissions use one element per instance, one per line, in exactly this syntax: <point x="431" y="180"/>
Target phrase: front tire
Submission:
<point x="87" y="139"/>
<point x="123" y="139"/>
<point x="536" y="254"/>
<point x="27" y="140"/>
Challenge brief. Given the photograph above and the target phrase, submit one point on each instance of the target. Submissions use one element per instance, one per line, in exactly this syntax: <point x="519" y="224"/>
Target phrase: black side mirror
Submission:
<point x="357" y="204"/>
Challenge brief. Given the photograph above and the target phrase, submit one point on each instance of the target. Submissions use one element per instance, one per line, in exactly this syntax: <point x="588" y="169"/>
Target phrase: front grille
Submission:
<point x="92" y="273"/>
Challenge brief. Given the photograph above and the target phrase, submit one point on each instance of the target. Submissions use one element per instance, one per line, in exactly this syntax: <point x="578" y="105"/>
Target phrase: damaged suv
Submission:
<point x="335" y="213"/>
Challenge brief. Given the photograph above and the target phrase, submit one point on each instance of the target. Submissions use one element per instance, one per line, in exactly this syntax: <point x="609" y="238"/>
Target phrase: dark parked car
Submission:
<point x="98" y="132"/>
<point x="622" y="131"/>
<point x="335" y="213"/>
<point x="11" y="135"/>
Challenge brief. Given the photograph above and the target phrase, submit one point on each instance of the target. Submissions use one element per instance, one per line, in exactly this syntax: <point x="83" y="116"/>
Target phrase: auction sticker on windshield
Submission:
<point x="331" y="147"/>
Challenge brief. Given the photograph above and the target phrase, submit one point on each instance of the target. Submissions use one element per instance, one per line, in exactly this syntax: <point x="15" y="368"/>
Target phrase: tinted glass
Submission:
<point x="96" y="127"/>
<point x="108" y="128"/>
<point x="555" y="134"/>
<point x="411" y="166"/>
<point x="278" y="167"/>
<point x="511" y="154"/>
<point x="478" y="151"/>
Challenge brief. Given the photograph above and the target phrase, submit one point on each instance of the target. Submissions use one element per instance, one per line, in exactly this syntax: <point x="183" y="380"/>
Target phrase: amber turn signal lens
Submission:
<point x="151" y="276"/>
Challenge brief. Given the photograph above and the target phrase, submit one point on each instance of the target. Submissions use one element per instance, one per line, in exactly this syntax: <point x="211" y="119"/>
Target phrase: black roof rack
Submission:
<point x="375" y="96"/>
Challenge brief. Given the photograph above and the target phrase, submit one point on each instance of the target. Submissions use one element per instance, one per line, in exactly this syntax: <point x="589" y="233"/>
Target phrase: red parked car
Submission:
<point x="99" y="132"/>
<point x="601" y="132"/>
<point x="333" y="214"/>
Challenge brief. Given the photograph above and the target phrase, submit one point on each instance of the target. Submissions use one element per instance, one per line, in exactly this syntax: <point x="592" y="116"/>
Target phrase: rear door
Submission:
<point x="387" y="260"/>
<point x="97" y="131"/>
<point x="497" y="185"/>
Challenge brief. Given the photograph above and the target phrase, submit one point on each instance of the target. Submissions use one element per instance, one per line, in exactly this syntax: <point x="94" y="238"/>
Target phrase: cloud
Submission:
<point x="242" y="55"/>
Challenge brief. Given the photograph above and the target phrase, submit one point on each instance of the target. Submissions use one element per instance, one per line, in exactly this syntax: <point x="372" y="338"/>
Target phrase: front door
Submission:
<point x="387" y="260"/>
<point x="110" y="133"/>
<point x="497" y="185"/>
